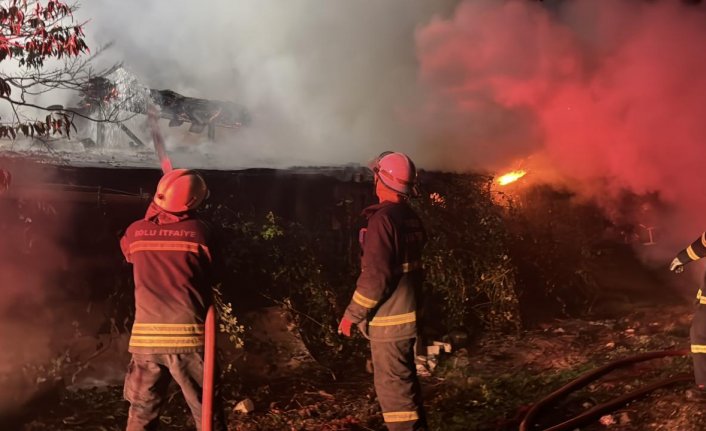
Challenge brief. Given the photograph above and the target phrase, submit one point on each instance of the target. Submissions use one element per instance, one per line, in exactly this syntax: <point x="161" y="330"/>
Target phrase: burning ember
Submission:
<point x="437" y="199"/>
<point x="511" y="177"/>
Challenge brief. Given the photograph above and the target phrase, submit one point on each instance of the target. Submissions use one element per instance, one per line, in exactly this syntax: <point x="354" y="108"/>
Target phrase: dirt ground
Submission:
<point x="486" y="385"/>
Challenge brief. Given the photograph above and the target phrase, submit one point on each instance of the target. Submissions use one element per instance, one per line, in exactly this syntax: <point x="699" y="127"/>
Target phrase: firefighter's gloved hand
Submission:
<point x="345" y="327"/>
<point x="677" y="266"/>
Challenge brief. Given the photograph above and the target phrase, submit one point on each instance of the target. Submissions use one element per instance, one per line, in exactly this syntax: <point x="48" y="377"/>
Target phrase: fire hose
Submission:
<point x="210" y="323"/>
<point x="209" y="363"/>
<point x="596" y="411"/>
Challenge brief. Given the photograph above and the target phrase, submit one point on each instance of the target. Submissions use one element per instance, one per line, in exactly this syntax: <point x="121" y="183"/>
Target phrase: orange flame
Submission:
<point x="511" y="177"/>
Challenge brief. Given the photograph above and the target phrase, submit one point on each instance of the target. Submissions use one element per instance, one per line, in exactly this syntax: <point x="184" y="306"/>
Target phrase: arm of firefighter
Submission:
<point x="376" y="270"/>
<point x="125" y="247"/>
<point x="695" y="251"/>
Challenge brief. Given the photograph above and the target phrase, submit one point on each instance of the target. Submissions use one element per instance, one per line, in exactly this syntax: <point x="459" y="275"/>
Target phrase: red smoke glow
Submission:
<point x="611" y="94"/>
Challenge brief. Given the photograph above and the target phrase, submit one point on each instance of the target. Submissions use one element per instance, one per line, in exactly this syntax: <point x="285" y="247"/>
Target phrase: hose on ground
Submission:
<point x="594" y="374"/>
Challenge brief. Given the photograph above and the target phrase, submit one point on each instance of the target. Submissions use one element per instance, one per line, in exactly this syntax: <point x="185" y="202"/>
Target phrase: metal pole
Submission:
<point x="159" y="147"/>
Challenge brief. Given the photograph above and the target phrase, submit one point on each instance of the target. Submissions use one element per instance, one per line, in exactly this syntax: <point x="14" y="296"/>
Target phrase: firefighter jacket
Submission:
<point x="384" y="303"/>
<point x="693" y="252"/>
<point x="173" y="270"/>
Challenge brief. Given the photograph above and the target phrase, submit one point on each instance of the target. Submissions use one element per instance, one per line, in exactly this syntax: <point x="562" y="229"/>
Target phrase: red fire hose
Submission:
<point x="208" y="371"/>
<point x="592" y="375"/>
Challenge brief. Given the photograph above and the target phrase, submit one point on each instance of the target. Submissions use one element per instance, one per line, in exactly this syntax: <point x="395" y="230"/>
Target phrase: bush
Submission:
<point x="277" y="261"/>
<point x="556" y="242"/>
<point x="486" y="264"/>
<point x="470" y="278"/>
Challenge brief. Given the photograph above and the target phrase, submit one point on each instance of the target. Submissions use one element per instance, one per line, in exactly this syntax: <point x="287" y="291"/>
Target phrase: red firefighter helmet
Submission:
<point x="180" y="190"/>
<point x="397" y="172"/>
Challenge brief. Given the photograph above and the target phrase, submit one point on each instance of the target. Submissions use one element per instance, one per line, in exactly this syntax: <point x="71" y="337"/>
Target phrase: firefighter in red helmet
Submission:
<point x="695" y="251"/>
<point x="384" y="303"/>
<point x="172" y="254"/>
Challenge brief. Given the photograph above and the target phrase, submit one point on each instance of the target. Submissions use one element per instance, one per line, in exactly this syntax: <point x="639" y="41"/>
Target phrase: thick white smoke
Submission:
<point x="324" y="81"/>
<point x="607" y="94"/>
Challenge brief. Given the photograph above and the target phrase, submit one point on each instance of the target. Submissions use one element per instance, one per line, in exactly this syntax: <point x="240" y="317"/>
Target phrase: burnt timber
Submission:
<point x="201" y="114"/>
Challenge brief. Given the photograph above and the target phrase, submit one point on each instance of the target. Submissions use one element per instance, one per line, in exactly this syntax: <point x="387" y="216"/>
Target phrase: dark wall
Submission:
<point x="81" y="212"/>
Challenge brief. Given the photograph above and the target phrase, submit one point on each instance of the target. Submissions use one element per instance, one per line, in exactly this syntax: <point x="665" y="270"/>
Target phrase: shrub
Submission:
<point x="470" y="277"/>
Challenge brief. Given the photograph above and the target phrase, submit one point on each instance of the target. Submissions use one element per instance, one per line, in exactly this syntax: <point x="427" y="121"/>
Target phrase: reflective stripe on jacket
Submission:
<point x="695" y="251"/>
<point x="700" y="297"/>
<point x="387" y="290"/>
<point x="172" y="267"/>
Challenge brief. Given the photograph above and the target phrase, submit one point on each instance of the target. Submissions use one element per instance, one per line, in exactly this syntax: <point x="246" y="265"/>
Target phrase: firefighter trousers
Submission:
<point x="146" y="383"/>
<point x="397" y="385"/>
<point x="698" y="344"/>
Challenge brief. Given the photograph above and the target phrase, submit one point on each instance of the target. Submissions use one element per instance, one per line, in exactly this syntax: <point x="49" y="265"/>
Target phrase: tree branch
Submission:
<point x="108" y="119"/>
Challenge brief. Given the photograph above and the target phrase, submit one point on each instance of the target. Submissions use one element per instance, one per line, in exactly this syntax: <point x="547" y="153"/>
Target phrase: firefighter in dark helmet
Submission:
<point x="384" y="304"/>
<point x="172" y="255"/>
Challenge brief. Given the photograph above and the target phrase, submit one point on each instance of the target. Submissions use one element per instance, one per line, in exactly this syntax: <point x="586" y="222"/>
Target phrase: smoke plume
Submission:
<point x="609" y="94"/>
<point x="323" y="81"/>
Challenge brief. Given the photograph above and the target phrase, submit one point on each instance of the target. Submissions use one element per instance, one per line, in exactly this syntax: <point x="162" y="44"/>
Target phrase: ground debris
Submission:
<point x="245" y="406"/>
<point x="486" y="386"/>
<point x="607" y="420"/>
